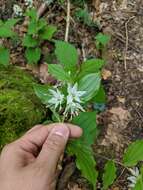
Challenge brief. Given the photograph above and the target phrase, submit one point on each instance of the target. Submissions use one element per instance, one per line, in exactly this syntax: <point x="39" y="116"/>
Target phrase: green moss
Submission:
<point x="19" y="107"/>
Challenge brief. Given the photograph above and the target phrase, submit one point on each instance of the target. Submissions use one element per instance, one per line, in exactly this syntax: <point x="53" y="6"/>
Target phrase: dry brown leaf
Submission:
<point x="116" y="188"/>
<point x="41" y="72"/>
<point x="106" y="74"/>
<point x="124" y="4"/>
<point x="140" y="68"/>
<point x="121" y="113"/>
<point x="118" y="121"/>
<point x="121" y="99"/>
<point x="96" y="4"/>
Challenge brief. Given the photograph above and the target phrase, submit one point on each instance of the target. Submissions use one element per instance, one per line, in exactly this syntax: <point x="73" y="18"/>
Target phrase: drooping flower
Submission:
<point x="134" y="177"/>
<point x="17" y="10"/>
<point x="57" y="98"/>
<point x="73" y="108"/>
<point x="29" y="3"/>
<point x="73" y="105"/>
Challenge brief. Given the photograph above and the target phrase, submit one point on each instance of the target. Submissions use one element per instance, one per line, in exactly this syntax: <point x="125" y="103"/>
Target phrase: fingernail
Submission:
<point x="61" y="130"/>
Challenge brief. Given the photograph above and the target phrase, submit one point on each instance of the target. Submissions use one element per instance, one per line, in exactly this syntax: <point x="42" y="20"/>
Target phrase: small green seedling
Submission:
<point x="102" y="40"/>
<point x="6" y="32"/>
<point x="83" y="15"/>
<point x="38" y="32"/>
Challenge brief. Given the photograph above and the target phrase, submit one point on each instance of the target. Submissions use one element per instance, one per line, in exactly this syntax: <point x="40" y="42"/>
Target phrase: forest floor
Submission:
<point x="122" y="122"/>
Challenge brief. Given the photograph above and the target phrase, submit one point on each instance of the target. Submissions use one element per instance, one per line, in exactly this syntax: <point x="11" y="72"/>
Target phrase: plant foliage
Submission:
<point x="69" y="102"/>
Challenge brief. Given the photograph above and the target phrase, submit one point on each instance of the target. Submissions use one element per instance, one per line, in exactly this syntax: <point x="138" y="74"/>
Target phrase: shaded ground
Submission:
<point x="123" y="119"/>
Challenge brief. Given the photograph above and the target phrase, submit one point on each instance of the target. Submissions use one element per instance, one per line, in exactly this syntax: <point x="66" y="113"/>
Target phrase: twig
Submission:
<point x="83" y="52"/>
<point x="122" y="39"/>
<point x="117" y="162"/>
<point x="127" y="42"/>
<point x="68" y="20"/>
<point x="42" y="9"/>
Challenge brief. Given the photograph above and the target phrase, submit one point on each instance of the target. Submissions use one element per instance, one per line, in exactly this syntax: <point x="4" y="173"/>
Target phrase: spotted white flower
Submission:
<point x="134" y="177"/>
<point x="74" y="101"/>
<point x="17" y="10"/>
<point x="29" y="3"/>
<point x="57" y="98"/>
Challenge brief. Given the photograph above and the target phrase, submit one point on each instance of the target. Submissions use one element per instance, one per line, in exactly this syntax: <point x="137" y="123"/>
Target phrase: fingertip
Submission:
<point x="75" y="131"/>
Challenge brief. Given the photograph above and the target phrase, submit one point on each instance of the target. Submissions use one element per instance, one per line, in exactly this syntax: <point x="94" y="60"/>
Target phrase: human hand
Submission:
<point x="30" y="163"/>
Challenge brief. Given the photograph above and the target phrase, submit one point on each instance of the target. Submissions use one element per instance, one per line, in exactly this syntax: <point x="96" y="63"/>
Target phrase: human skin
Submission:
<point x="30" y="163"/>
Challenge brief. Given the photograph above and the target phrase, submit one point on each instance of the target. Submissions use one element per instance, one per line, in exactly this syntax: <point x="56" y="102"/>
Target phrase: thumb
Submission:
<point x="53" y="147"/>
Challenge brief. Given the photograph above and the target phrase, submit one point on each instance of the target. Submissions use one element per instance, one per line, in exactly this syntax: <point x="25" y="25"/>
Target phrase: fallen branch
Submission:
<point x="65" y="176"/>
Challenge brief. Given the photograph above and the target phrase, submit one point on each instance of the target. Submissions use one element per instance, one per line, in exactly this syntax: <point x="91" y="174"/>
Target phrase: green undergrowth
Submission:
<point x="19" y="107"/>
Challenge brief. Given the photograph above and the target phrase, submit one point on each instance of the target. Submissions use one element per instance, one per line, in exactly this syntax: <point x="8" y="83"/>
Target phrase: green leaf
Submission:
<point x="83" y="16"/>
<point x="42" y="91"/>
<point x="33" y="55"/>
<point x="11" y="22"/>
<point x="41" y="23"/>
<point x="48" y="32"/>
<point x="84" y="160"/>
<point x="109" y="174"/>
<point x="32" y="28"/>
<point x="29" y="41"/>
<point x="91" y="66"/>
<point x="102" y="40"/>
<point x="67" y="55"/>
<point x="133" y="154"/>
<point x="4" y="56"/>
<point x="32" y="13"/>
<point x="87" y="121"/>
<point x="139" y="184"/>
<point x="58" y="72"/>
<point x="100" y="97"/>
<point x="6" y="32"/>
<point x="90" y="84"/>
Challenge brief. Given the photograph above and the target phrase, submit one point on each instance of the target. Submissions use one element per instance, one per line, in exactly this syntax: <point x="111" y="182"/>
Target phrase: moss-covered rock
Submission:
<point x="20" y="109"/>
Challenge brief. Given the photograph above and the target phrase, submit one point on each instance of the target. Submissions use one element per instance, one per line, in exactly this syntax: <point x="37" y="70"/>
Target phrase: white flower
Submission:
<point x="134" y="177"/>
<point x="48" y="2"/>
<point x="17" y="10"/>
<point x="73" y="108"/>
<point x="56" y="99"/>
<point x="73" y="91"/>
<point x="29" y="3"/>
<point x="74" y="101"/>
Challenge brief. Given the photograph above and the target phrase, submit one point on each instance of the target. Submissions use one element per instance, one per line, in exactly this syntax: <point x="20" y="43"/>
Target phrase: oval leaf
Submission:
<point x="91" y="84"/>
<point x="48" y="32"/>
<point x="42" y="91"/>
<point x="33" y="55"/>
<point x="87" y="121"/>
<point x="66" y="54"/>
<point x="58" y="72"/>
<point x="29" y="41"/>
<point x="133" y="154"/>
<point x="109" y="174"/>
<point x="91" y="66"/>
<point x="84" y="160"/>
